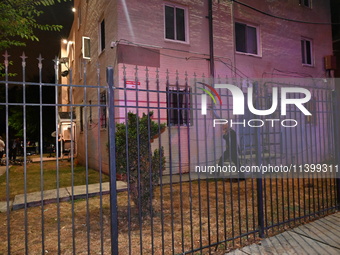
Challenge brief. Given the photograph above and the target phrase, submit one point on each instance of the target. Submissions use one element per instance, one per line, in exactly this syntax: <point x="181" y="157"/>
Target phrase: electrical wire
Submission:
<point x="282" y="18"/>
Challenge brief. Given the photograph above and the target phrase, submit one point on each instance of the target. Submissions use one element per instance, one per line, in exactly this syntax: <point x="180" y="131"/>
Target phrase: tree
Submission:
<point x="143" y="166"/>
<point x="18" y="21"/>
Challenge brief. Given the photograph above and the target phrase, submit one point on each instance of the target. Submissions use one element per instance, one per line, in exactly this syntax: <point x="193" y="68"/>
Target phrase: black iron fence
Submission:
<point x="140" y="162"/>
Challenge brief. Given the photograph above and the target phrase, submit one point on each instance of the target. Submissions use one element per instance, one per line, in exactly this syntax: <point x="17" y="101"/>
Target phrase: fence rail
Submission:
<point x="142" y="139"/>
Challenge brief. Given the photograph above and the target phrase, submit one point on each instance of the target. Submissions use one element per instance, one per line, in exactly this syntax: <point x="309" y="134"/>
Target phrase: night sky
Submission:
<point x="48" y="45"/>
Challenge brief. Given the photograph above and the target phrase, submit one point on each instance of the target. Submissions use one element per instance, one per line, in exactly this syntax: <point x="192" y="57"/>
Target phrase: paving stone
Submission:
<point x="3" y="206"/>
<point x="35" y="198"/>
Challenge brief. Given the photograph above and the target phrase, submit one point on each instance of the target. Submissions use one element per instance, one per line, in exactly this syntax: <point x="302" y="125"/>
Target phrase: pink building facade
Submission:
<point x="251" y="39"/>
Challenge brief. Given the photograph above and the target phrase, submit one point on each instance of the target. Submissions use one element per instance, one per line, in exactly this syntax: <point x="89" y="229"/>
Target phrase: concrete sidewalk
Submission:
<point x="65" y="194"/>
<point x="318" y="237"/>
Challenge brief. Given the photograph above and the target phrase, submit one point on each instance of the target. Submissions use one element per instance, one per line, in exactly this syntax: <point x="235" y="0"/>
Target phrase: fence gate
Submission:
<point x="134" y="164"/>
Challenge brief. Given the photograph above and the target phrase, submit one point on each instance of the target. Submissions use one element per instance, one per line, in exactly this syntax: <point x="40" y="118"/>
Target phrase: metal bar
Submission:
<point x="198" y="163"/>
<point x="179" y="94"/>
<point x="188" y="112"/>
<point x="139" y="177"/>
<point x="160" y="164"/>
<point x="99" y="126"/>
<point x="16" y="145"/>
<point x="112" y="163"/>
<point x="170" y="165"/>
<point x="127" y="160"/>
<point x="86" y="152"/>
<point x="8" y="213"/>
<point x="41" y="158"/>
<point x="259" y="183"/>
<point x="150" y="160"/>
<point x="72" y="166"/>
<point x="319" y="143"/>
<point x="207" y="179"/>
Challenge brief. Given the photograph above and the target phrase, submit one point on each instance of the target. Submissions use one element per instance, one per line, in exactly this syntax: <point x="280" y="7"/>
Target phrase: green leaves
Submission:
<point x="18" y="20"/>
<point x="133" y="141"/>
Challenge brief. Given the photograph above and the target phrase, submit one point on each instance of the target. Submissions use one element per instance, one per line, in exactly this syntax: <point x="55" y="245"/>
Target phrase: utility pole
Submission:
<point x="211" y="40"/>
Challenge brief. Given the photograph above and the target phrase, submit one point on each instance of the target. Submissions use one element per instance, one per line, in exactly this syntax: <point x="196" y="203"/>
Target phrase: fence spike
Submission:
<point x="6" y="58"/>
<point x="157" y="73"/>
<point x="40" y="59"/>
<point x="23" y="57"/>
<point x="124" y="70"/>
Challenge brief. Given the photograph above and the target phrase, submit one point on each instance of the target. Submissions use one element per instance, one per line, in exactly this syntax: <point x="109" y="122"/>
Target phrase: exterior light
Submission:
<point x="65" y="41"/>
<point x="74" y="9"/>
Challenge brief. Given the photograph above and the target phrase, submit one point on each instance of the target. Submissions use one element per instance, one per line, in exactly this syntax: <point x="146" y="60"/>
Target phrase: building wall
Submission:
<point x="140" y="25"/>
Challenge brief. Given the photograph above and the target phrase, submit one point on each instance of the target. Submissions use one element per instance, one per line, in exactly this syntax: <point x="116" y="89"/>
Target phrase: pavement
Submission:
<point x="321" y="236"/>
<point x="55" y="195"/>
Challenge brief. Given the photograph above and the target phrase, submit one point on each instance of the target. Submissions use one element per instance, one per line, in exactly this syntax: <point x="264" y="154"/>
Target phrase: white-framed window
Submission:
<point x="176" y="23"/>
<point x="178" y="106"/>
<point x="307" y="51"/>
<point x="306" y="3"/>
<point x="86" y="47"/>
<point x="247" y="38"/>
<point x="101" y="35"/>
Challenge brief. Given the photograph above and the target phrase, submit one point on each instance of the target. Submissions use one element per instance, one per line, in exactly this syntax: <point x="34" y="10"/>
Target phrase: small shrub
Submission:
<point x="143" y="167"/>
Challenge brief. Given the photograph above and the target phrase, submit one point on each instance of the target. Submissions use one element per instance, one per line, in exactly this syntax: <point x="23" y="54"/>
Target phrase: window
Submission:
<point x="81" y="118"/>
<point x="306" y="3"/>
<point x="86" y="47"/>
<point x="178" y="104"/>
<point x="103" y="120"/>
<point x="246" y="37"/>
<point x="101" y="36"/>
<point x="306" y="52"/>
<point x="79" y="16"/>
<point x="175" y="23"/>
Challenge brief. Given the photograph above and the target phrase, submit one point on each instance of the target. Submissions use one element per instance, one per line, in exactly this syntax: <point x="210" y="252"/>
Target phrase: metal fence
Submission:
<point x="126" y="154"/>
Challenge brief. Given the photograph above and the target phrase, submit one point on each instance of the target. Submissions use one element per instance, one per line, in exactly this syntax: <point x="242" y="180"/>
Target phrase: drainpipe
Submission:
<point x="211" y="39"/>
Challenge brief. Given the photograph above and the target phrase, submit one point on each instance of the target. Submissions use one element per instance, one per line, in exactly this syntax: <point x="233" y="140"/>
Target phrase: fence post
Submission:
<point x="259" y="183"/>
<point x="336" y="143"/>
<point x="112" y="162"/>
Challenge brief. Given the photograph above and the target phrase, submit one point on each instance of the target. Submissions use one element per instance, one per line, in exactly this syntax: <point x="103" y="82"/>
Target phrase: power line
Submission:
<point x="283" y="18"/>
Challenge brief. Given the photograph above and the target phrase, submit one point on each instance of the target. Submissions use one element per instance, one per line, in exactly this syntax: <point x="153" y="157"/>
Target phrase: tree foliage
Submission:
<point x="18" y="21"/>
<point x="143" y="167"/>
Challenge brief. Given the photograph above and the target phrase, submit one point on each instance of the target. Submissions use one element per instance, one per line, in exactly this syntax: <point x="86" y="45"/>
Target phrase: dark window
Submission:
<point x="178" y="104"/>
<point x="102" y="35"/>
<point x="306" y="3"/>
<point x="81" y="118"/>
<point x="246" y="38"/>
<point x="306" y="52"/>
<point x="103" y="122"/>
<point x="175" y="23"/>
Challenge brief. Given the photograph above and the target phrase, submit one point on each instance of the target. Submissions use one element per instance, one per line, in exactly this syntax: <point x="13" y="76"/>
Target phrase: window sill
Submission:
<point x="306" y="65"/>
<point x="248" y="54"/>
<point x="177" y="41"/>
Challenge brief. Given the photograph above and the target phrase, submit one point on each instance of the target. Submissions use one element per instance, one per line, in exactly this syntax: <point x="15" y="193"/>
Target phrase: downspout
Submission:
<point x="211" y="39"/>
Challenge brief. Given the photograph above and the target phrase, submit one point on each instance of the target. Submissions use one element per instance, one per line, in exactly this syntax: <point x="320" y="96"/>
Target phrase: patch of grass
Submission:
<point x="51" y="177"/>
